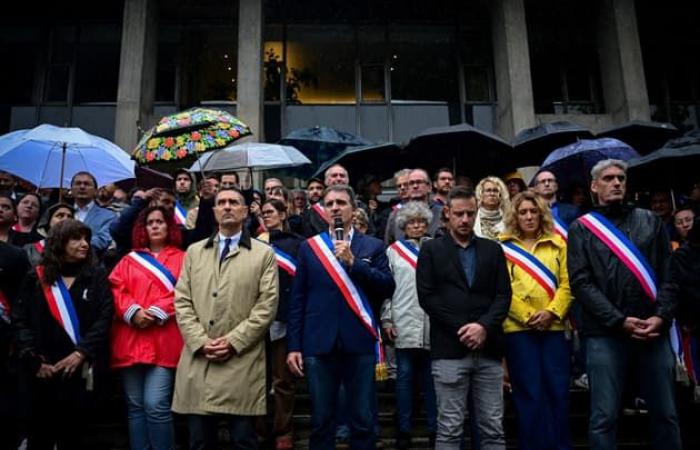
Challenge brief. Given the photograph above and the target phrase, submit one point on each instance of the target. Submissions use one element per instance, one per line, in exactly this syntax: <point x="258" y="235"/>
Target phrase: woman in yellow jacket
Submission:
<point x="537" y="351"/>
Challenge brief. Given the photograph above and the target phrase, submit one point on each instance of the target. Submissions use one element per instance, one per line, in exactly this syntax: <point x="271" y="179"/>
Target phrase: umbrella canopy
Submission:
<point x="250" y="155"/>
<point x="463" y="148"/>
<point x="572" y="164"/>
<point x="642" y="136"/>
<point x="187" y="133"/>
<point x="45" y="153"/>
<point x="379" y="160"/>
<point x="674" y="166"/>
<point x="532" y="145"/>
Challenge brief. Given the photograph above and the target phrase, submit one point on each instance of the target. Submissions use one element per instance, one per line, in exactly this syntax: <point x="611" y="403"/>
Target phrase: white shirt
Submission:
<point x="81" y="213"/>
<point x="235" y="239"/>
<point x="348" y="237"/>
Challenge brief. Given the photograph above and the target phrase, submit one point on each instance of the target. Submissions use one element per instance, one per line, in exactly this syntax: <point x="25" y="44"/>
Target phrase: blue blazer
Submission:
<point x="319" y="319"/>
<point x="99" y="219"/>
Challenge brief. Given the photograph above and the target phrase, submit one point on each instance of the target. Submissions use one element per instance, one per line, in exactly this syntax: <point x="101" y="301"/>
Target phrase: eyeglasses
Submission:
<point x="491" y="191"/>
<point x="547" y="181"/>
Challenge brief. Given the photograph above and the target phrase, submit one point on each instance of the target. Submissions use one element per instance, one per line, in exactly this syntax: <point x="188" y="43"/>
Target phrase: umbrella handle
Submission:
<point x="60" y="182"/>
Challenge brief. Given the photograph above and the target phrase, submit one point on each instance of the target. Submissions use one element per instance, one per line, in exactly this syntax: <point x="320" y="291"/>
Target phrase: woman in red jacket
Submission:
<point x="146" y="342"/>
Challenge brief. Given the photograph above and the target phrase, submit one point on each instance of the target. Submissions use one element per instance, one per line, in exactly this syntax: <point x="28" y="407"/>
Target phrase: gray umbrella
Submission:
<point x="250" y="155"/>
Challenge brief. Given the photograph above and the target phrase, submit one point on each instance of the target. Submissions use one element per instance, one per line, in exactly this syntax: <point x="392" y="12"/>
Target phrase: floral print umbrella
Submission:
<point x="188" y="133"/>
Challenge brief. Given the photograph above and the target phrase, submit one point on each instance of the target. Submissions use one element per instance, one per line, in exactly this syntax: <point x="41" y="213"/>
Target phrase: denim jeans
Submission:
<point x="483" y="377"/>
<point x="413" y="364"/>
<point x="652" y="363"/>
<point x="148" y="391"/>
<point x="204" y="431"/>
<point x="324" y="375"/>
<point x="539" y="364"/>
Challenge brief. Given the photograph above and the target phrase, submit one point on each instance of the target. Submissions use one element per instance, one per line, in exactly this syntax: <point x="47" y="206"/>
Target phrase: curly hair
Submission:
<point x="504" y="203"/>
<point x="139" y="235"/>
<point x="54" y="255"/>
<point x="511" y="218"/>
<point x="413" y="210"/>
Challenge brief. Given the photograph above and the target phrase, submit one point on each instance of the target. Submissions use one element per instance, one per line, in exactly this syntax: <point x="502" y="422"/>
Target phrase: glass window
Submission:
<point x="372" y="82"/>
<point x="60" y="60"/>
<point x="20" y="46"/>
<point x="168" y="60"/>
<point x="217" y="64"/>
<point x="97" y="72"/>
<point x="320" y="64"/>
<point x="273" y="63"/>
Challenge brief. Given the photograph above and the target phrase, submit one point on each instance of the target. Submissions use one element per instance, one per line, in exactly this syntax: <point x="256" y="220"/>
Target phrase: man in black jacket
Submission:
<point x="464" y="288"/>
<point x="626" y="325"/>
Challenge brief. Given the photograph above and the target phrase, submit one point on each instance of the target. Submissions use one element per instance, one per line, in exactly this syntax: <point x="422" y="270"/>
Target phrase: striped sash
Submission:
<point x="4" y="308"/>
<point x="533" y="266"/>
<point x="320" y="210"/>
<point x="560" y="227"/>
<point x="406" y="251"/>
<point x="180" y="214"/>
<point x="154" y="268"/>
<point x="40" y="245"/>
<point x="285" y="262"/>
<point x="61" y="306"/>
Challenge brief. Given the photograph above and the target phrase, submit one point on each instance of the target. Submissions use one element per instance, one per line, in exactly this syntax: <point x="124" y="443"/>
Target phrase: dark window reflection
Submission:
<point x="97" y="73"/>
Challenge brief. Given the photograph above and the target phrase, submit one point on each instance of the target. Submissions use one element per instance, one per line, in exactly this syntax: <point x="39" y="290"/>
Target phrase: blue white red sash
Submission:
<point x="40" y="245"/>
<point x="16" y="227"/>
<point x="690" y="356"/>
<point x="624" y="249"/>
<point x="533" y="266"/>
<point x="61" y="306"/>
<point x="285" y="262"/>
<point x="406" y="251"/>
<point x="397" y="206"/>
<point x="560" y="227"/>
<point x="180" y="214"/>
<point x="155" y="268"/>
<point x="4" y="308"/>
<point x="321" y="211"/>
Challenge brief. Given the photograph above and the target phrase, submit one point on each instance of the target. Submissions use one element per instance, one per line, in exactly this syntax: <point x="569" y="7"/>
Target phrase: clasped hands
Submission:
<point x="68" y="366"/>
<point x="473" y="335"/>
<point x="218" y="350"/>
<point x="643" y="329"/>
<point x="541" y="320"/>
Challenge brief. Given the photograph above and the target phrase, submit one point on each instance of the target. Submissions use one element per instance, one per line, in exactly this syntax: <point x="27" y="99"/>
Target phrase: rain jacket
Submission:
<point x="134" y="288"/>
<point x="529" y="296"/>
<point x="189" y="200"/>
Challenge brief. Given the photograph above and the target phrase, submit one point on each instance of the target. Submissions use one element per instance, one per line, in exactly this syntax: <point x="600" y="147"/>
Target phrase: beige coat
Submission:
<point x="237" y="300"/>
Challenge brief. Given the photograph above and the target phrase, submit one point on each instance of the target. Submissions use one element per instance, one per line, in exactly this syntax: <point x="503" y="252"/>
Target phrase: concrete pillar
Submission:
<point x="622" y="70"/>
<point x="137" y="72"/>
<point x="515" y="109"/>
<point x="250" y="67"/>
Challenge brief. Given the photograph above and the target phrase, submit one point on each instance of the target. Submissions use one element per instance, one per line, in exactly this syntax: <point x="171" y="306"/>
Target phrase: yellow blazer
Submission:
<point x="528" y="296"/>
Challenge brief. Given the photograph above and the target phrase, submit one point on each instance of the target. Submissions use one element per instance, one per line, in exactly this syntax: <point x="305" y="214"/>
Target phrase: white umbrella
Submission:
<point x="48" y="156"/>
<point x="250" y="155"/>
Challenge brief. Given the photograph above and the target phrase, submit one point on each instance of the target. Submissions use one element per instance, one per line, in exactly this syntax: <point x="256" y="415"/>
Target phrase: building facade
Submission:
<point x="383" y="70"/>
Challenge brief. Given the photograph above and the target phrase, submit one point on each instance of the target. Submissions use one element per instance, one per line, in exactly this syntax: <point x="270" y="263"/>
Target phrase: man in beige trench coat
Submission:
<point x="225" y="301"/>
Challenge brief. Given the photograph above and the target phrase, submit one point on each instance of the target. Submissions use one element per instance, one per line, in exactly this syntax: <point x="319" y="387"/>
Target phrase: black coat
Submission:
<point x="685" y="271"/>
<point x="14" y="265"/>
<point x="450" y="303"/>
<point x="289" y="244"/>
<point x="605" y="287"/>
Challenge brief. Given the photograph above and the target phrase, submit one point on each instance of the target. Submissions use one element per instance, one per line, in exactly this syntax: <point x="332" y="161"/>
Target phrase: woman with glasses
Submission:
<point x="492" y="197"/>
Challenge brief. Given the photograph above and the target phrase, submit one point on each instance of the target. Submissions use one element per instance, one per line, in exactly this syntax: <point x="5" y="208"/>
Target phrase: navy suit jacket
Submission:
<point x="319" y="319"/>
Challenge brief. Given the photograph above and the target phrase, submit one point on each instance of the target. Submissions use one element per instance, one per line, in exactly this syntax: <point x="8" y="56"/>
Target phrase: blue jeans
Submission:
<point x="204" y="431"/>
<point x="324" y="375"/>
<point x="539" y="364"/>
<point x="653" y="364"/>
<point x="412" y="363"/>
<point x="148" y="391"/>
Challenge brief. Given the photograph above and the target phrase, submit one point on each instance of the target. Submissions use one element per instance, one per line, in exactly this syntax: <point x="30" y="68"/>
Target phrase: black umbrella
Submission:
<point x="673" y="166"/>
<point x="462" y="148"/>
<point x="642" y="136"/>
<point x="379" y="160"/>
<point x="532" y="145"/>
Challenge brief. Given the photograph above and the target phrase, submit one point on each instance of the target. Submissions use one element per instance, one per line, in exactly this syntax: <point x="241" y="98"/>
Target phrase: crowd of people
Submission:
<point x="211" y="301"/>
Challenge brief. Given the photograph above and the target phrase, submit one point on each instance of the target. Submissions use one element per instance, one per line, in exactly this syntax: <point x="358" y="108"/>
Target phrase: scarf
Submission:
<point x="489" y="224"/>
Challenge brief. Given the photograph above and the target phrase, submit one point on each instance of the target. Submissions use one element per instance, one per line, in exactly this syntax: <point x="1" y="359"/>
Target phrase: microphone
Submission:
<point x="338" y="229"/>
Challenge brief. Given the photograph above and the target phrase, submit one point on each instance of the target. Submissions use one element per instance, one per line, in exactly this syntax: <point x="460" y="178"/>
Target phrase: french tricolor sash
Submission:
<point x="180" y="214"/>
<point x="17" y="228"/>
<point x="61" y="306"/>
<point x="559" y="226"/>
<point x="321" y="212"/>
<point x="690" y="356"/>
<point x="533" y="266"/>
<point x="4" y="308"/>
<point x="157" y="270"/>
<point x="397" y="206"/>
<point x="624" y="249"/>
<point x="39" y="246"/>
<point x="406" y="251"/>
<point x="285" y="262"/>
<point x="322" y="246"/>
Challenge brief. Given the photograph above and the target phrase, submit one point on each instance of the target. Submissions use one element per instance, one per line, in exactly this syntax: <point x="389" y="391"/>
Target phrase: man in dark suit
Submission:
<point x="545" y="185"/>
<point x="330" y="338"/>
<point x="464" y="288"/>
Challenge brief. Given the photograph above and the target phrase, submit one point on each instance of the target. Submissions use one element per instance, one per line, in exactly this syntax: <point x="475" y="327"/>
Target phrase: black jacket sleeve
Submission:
<point x="498" y="310"/>
<point x="95" y="338"/>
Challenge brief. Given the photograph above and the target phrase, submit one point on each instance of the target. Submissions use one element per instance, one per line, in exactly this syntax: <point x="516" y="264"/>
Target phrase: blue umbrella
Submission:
<point x="48" y="156"/>
<point x="532" y="144"/>
<point x="572" y="164"/>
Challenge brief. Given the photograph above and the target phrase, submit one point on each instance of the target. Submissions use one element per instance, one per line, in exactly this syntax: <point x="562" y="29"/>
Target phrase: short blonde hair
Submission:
<point x="511" y="220"/>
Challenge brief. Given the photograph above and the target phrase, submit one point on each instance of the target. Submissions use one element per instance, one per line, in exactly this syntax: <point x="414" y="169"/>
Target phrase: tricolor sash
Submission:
<point x="397" y="206"/>
<point x="285" y="262"/>
<point x="180" y="214"/>
<point x="17" y="228"/>
<point x="406" y="251"/>
<point x="153" y="267"/>
<point x="560" y="227"/>
<point x="39" y="246"/>
<point x="322" y="247"/>
<point x="320" y="210"/>
<point x="624" y="249"/>
<point x="4" y="308"/>
<point x="61" y="306"/>
<point x="533" y="266"/>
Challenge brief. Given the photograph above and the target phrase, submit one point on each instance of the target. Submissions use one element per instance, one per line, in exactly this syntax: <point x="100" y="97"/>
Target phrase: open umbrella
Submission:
<point x="187" y="133"/>
<point x="463" y="148"/>
<point x="572" y="164"/>
<point x="250" y="155"/>
<point x="379" y="160"/>
<point x="642" y="136"/>
<point x="48" y="156"/>
<point x="532" y="145"/>
<point x="674" y="166"/>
